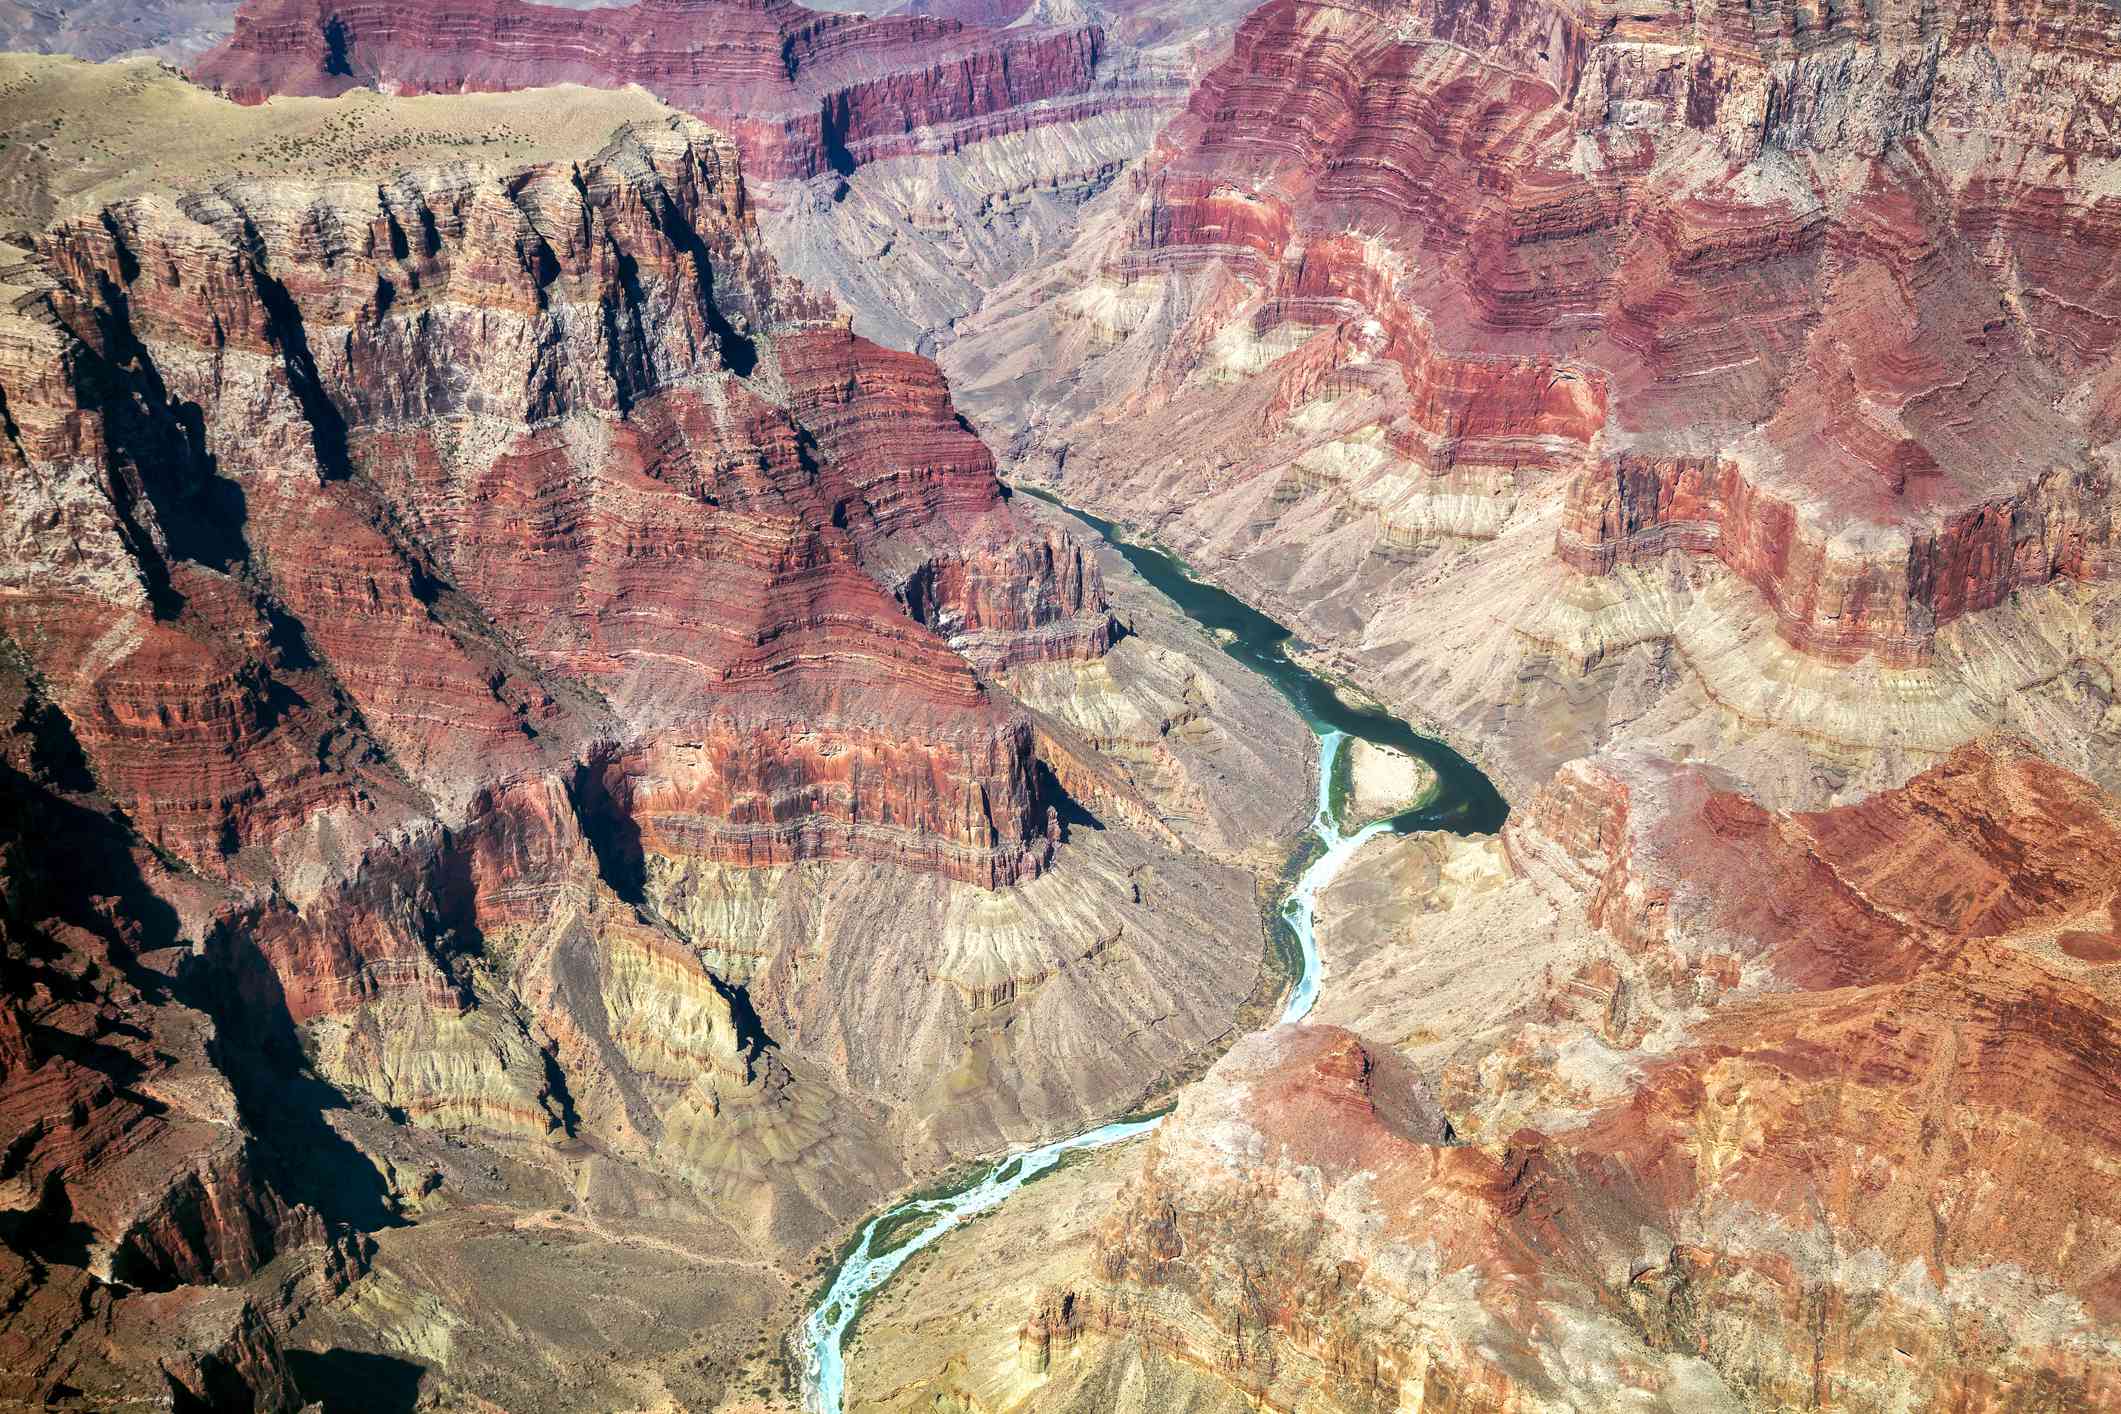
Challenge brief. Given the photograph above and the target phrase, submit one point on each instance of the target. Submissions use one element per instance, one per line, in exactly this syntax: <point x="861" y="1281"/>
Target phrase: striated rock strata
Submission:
<point x="134" y="1184"/>
<point x="1751" y="343"/>
<point x="1685" y="1104"/>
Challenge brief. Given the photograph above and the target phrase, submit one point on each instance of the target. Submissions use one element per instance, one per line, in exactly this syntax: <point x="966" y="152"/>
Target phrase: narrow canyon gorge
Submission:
<point x="1059" y="706"/>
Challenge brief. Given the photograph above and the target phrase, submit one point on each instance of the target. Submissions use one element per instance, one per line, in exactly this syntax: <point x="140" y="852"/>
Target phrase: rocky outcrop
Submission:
<point x="1303" y="1233"/>
<point x="1632" y="307"/>
<point x="1801" y="1118"/>
<point x="907" y="162"/>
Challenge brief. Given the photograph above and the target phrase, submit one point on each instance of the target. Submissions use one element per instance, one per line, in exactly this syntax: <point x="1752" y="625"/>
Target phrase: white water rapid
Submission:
<point x="871" y="1263"/>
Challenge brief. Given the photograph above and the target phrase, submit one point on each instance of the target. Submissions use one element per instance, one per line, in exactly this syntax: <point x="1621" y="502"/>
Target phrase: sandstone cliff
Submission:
<point x="546" y="658"/>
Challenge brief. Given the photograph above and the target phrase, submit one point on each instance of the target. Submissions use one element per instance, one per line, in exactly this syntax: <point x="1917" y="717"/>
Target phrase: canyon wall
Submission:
<point x="512" y="633"/>
<point x="533" y="726"/>
<point x="907" y="163"/>
<point x="1691" y="1105"/>
<point x="132" y="1164"/>
<point x="1704" y="319"/>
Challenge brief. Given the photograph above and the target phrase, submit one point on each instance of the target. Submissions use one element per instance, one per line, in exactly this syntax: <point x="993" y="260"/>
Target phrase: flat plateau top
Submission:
<point x="76" y="135"/>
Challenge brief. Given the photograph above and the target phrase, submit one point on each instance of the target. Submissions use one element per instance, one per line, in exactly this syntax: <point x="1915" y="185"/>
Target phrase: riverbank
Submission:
<point x="1463" y="801"/>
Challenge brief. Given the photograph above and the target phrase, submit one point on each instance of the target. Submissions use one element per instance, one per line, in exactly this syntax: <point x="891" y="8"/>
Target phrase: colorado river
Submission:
<point x="1463" y="802"/>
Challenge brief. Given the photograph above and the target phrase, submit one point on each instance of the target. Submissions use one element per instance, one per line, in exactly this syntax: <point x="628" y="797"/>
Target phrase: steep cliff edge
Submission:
<point x="544" y="656"/>
<point x="1745" y="336"/>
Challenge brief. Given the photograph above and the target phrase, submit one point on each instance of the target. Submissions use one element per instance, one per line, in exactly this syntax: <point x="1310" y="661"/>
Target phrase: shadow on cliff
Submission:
<point x="78" y="914"/>
<point x="75" y="862"/>
<point x="355" y="1381"/>
<point x="73" y="866"/>
<point x="615" y="843"/>
<point x="290" y="336"/>
<point x="157" y="441"/>
<point x="1072" y="813"/>
<point x="157" y="447"/>
<point x="608" y="828"/>
<point x="284" y="1104"/>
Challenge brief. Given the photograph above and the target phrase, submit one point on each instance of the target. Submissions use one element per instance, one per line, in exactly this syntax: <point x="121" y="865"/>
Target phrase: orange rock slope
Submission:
<point x="1850" y="1148"/>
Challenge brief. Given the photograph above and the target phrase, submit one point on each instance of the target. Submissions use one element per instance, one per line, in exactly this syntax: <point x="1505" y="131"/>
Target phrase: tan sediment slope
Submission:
<point x="84" y="135"/>
<point x="1223" y="757"/>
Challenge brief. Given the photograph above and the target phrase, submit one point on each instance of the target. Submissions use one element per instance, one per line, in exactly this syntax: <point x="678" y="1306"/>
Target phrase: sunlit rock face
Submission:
<point x="514" y="654"/>
<point x="1708" y="350"/>
<point x="435" y="565"/>
<point x="1737" y="1110"/>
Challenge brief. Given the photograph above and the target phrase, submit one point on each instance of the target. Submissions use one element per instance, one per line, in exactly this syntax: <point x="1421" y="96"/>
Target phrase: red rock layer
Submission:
<point x="131" y="1177"/>
<point x="803" y="92"/>
<point x="1878" y="1169"/>
<point x="347" y="565"/>
<point x="1768" y="284"/>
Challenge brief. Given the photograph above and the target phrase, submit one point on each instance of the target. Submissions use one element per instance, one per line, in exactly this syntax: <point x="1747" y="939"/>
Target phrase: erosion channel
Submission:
<point x="1463" y="802"/>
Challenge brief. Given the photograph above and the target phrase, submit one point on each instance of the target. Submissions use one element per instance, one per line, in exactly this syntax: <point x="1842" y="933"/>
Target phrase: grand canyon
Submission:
<point x="987" y="706"/>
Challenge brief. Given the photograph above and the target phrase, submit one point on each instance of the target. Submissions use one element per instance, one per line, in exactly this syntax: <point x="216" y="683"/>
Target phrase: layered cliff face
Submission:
<point x="539" y="659"/>
<point x="1706" y="320"/>
<point x="1816" y="1070"/>
<point x="571" y="779"/>
<point x="1663" y="1100"/>
<point x="909" y="163"/>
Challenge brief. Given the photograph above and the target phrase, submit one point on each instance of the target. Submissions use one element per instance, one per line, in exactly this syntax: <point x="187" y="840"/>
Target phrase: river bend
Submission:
<point x="1463" y="801"/>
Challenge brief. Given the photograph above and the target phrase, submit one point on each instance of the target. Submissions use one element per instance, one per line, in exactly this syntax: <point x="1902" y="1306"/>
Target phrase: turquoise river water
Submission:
<point x="1464" y="802"/>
